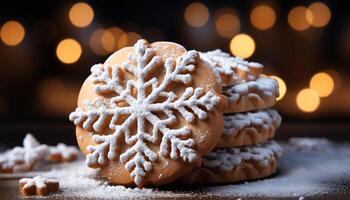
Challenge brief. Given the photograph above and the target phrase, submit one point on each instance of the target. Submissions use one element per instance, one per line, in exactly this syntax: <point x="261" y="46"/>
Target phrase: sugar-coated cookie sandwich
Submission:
<point x="253" y="95"/>
<point x="236" y="164"/>
<point x="248" y="128"/>
<point x="149" y="113"/>
<point x="232" y="70"/>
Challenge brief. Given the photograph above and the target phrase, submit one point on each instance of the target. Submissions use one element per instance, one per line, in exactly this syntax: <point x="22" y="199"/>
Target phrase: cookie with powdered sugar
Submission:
<point x="230" y="165"/>
<point x="148" y="114"/>
<point x="253" y="95"/>
<point x="232" y="70"/>
<point x="248" y="128"/>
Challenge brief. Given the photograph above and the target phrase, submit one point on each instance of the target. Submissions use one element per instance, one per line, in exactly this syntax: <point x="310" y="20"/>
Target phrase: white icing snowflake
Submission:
<point x="137" y="102"/>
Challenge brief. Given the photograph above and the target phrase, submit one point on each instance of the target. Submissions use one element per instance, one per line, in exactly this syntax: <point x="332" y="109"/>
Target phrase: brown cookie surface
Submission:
<point x="236" y="164"/>
<point x="248" y="128"/>
<point x="148" y="114"/>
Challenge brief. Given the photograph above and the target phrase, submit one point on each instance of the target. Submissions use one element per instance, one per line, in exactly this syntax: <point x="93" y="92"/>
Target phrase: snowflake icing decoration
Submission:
<point x="140" y="108"/>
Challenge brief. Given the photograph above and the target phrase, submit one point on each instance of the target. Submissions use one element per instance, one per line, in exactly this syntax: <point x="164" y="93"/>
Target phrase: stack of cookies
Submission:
<point x="156" y="113"/>
<point x="245" y="150"/>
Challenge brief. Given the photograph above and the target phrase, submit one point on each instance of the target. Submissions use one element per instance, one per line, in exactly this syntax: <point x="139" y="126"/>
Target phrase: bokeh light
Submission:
<point x="263" y="17"/>
<point x="196" y="14"/>
<point x="57" y="97"/>
<point x="95" y="42"/>
<point x="81" y="14"/>
<point x="227" y="23"/>
<point x="308" y="100"/>
<point x="322" y="83"/>
<point x="68" y="51"/>
<point x="130" y="37"/>
<point x="108" y="41"/>
<point x="117" y="34"/>
<point x="242" y="45"/>
<point x="281" y="86"/>
<point x="12" y="33"/>
<point x="319" y="14"/>
<point x="297" y="18"/>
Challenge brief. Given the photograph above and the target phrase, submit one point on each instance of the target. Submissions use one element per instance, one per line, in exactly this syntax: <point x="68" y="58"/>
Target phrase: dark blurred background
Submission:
<point x="48" y="47"/>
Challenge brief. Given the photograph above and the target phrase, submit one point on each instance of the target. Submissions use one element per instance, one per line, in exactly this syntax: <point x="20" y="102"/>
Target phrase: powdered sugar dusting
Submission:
<point x="309" y="144"/>
<point x="237" y="69"/>
<point x="300" y="174"/>
<point x="262" y="119"/>
<point x="266" y="86"/>
<point x="226" y="159"/>
<point x="77" y="180"/>
<point x="176" y="143"/>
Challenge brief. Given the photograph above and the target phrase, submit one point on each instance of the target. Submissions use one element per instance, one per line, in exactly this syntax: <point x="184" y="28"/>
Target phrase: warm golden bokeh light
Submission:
<point x="12" y="33"/>
<point x="81" y="14"/>
<point x="297" y="18"/>
<point x="117" y="34"/>
<point x="319" y="14"/>
<point x="322" y="83"/>
<point x="242" y="45"/>
<point x="95" y="42"/>
<point x="196" y="14"/>
<point x="227" y="24"/>
<point x="57" y="97"/>
<point x="130" y="38"/>
<point x="281" y="86"/>
<point x="68" y="51"/>
<point x="108" y="41"/>
<point x="307" y="100"/>
<point x="263" y="17"/>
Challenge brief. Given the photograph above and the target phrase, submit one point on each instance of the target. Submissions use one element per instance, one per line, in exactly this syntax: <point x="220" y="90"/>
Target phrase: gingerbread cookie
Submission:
<point x="63" y="153"/>
<point x="232" y="70"/>
<point x="252" y="95"/>
<point x="24" y="158"/>
<point x="236" y="164"/>
<point x="37" y="186"/>
<point x="249" y="128"/>
<point x="148" y="114"/>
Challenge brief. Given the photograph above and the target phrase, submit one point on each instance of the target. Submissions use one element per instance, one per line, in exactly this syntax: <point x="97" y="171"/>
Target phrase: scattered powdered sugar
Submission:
<point x="300" y="175"/>
<point x="77" y="180"/>
<point x="226" y="159"/>
<point x="309" y="144"/>
<point x="262" y="119"/>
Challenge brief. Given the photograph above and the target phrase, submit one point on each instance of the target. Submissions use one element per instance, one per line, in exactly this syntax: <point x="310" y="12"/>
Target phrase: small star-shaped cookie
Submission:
<point x="38" y="186"/>
<point x="23" y="158"/>
<point x="63" y="153"/>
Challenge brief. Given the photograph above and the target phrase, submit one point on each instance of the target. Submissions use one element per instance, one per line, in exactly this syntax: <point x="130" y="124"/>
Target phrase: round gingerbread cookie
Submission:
<point x="236" y="164"/>
<point x="253" y="95"/>
<point x="232" y="70"/>
<point x="148" y="114"/>
<point x="248" y="128"/>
